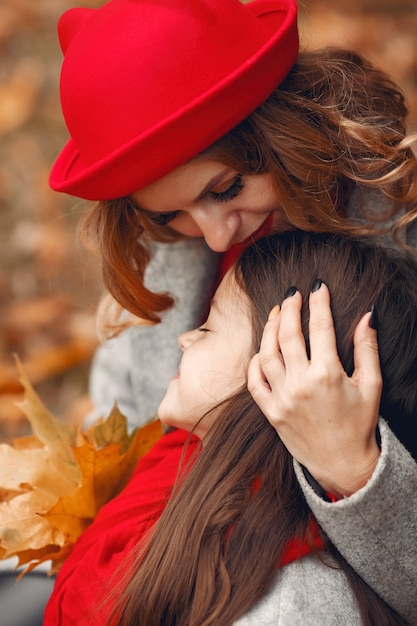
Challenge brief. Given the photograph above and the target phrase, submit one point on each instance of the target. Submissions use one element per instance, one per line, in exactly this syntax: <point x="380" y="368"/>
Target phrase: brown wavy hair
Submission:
<point x="336" y="122"/>
<point x="215" y="550"/>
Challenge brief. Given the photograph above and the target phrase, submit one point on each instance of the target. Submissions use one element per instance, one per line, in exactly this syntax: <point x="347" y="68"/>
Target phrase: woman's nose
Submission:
<point x="219" y="228"/>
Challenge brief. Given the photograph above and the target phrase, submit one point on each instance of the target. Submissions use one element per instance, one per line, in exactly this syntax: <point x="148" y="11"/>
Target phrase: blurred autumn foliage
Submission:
<point x="49" y="287"/>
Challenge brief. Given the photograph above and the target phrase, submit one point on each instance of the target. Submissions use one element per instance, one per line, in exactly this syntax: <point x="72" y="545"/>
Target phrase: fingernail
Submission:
<point x="274" y="312"/>
<point x="373" y="320"/>
<point x="316" y="285"/>
<point x="290" y="292"/>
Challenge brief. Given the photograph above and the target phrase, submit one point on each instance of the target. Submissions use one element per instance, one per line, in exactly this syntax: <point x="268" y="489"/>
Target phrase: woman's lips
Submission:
<point x="259" y="232"/>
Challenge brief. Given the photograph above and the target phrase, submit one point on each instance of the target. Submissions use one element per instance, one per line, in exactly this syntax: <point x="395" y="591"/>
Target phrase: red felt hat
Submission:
<point x="148" y="84"/>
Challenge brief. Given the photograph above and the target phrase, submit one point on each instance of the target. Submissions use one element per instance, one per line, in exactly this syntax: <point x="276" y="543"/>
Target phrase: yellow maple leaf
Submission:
<point x="113" y="430"/>
<point x="105" y="472"/>
<point x="53" y="433"/>
<point x="53" y="483"/>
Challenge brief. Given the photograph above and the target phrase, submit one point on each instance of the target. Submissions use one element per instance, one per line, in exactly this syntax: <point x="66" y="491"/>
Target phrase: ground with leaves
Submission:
<point x="49" y="288"/>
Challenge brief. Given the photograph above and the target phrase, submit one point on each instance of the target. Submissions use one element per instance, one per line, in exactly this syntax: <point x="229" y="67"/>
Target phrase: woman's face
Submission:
<point x="205" y="198"/>
<point x="214" y="362"/>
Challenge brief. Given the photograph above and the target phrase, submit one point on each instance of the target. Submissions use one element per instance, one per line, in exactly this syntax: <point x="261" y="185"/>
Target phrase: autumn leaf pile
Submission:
<point x="53" y="483"/>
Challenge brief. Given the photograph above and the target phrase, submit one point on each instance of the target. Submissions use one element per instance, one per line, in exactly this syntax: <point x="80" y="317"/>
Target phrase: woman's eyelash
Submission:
<point x="230" y="193"/>
<point x="202" y="329"/>
<point x="162" y="219"/>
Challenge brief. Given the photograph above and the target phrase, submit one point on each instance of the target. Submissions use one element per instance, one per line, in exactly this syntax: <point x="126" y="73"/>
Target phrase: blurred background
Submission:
<point x="49" y="285"/>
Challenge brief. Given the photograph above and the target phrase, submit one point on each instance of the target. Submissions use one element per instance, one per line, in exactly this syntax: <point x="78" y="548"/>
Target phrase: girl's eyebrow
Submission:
<point x="214" y="304"/>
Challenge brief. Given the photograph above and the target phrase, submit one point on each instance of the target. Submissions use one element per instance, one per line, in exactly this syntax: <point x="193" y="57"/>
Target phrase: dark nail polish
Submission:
<point x="316" y="285"/>
<point x="290" y="292"/>
<point x="373" y="320"/>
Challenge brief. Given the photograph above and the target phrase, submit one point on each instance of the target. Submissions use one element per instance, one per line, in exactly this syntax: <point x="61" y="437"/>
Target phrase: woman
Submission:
<point x="237" y="543"/>
<point x="261" y="139"/>
<point x="206" y="109"/>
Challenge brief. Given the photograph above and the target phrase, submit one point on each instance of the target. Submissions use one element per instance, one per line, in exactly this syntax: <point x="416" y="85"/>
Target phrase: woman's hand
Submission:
<point x="326" y="419"/>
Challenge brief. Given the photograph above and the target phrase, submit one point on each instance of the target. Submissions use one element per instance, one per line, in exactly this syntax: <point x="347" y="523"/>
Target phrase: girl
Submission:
<point x="237" y="542"/>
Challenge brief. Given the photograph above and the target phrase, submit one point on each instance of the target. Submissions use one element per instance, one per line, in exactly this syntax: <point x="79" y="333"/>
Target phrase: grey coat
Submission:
<point x="375" y="529"/>
<point x="135" y="368"/>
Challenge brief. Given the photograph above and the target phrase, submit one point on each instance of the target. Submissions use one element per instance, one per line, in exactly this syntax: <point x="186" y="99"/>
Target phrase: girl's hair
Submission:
<point x="216" y="549"/>
<point x="334" y="123"/>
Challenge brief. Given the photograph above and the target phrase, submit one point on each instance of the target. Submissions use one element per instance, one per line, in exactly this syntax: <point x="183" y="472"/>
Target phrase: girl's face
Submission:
<point x="214" y="363"/>
<point x="206" y="198"/>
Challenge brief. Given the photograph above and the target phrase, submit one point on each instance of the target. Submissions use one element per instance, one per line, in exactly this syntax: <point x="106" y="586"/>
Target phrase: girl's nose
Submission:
<point x="187" y="338"/>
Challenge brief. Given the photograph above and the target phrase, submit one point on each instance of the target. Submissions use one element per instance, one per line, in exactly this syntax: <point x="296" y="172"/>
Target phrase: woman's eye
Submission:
<point x="202" y="329"/>
<point x="231" y="192"/>
<point x="162" y="219"/>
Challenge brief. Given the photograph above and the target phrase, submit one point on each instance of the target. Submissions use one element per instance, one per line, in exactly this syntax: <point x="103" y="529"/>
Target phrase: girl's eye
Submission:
<point x="162" y="219"/>
<point x="230" y="193"/>
<point x="202" y="329"/>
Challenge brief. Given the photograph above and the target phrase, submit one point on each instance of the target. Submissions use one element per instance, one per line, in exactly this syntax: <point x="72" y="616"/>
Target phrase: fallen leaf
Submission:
<point x="113" y="430"/>
<point x="105" y="472"/>
<point x="54" y="434"/>
<point x="54" y="482"/>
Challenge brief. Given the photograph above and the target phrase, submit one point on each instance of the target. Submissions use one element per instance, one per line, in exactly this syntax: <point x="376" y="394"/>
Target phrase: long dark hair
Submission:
<point x="334" y="123"/>
<point x="217" y="531"/>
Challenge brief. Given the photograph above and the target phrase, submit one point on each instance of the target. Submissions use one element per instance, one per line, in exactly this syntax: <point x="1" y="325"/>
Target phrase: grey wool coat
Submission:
<point x="375" y="529"/>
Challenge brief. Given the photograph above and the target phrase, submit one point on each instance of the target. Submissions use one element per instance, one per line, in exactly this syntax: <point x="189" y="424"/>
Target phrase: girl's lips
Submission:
<point x="177" y="375"/>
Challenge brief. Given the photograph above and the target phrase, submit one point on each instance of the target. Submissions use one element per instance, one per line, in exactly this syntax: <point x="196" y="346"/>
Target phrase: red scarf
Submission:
<point x="86" y="576"/>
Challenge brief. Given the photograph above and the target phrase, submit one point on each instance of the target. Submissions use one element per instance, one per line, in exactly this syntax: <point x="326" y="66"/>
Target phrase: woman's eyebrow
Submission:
<point x="147" y="212"/>
<point x="218" y="178"/>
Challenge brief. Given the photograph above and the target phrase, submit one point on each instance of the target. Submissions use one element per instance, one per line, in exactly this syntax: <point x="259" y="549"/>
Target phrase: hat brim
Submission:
<point x="132" y="167"/>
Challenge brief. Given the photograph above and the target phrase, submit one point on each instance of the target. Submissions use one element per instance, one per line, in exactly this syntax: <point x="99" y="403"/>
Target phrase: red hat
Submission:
<point x="148" y="84"/>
